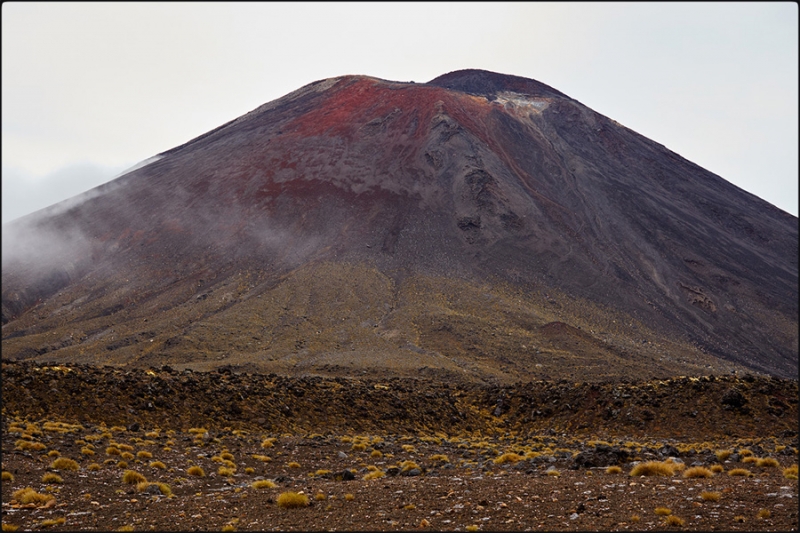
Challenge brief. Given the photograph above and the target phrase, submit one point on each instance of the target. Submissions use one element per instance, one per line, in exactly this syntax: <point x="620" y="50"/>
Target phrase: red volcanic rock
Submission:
<point x="448" y="227"/>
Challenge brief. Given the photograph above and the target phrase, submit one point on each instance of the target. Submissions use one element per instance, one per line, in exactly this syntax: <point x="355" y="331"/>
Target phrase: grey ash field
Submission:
<point x="487" y="465"/>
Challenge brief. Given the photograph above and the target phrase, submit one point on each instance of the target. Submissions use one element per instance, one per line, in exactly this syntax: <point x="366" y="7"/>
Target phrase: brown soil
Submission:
<point x="472" y="488"/>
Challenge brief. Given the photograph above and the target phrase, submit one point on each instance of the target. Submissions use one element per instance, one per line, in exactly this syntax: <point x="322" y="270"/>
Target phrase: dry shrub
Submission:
<point x="263" y="484"/>
<point x="268" y="442"/>
<point x="405" y="466"/>
<point x="8" y="476"/>
<point x="750" y="459"/>
<point x="131" y="477"/>
<point x="358" y="447"/>
<point x="291" y="500"/>
<point x="710" y="496"/>
<point x="740" y="472"/>
<point x="717" y="469"/>
<point x="144" y="455"/>
<point x="698" y="471"/>
<point x="128" y="456"/>
<point x="64" y="463"/>
<point x="663" y="511"/>
<point x="653" y="468"/>
<point x="376" y="454"/>
<point x="226" y="456"/>
<point x="440" y="458"/>
<point x="158" y="464"/>
<point x="613" y="470"/>
<point x="94" y="467"/>
<point x="768" y="462"/>
<point x="790" y="472"/>
<point x="113" y="450"/>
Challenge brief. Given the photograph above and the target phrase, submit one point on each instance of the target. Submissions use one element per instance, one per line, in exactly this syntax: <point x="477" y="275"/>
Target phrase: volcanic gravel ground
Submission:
<point x="471" y="488"/>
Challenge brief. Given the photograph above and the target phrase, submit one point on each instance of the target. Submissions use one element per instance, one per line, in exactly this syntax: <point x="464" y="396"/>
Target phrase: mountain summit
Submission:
<point x="477" y="227"/>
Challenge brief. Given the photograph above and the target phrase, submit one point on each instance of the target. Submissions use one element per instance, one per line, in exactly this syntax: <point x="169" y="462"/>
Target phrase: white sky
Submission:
<point x="89" y="89"/>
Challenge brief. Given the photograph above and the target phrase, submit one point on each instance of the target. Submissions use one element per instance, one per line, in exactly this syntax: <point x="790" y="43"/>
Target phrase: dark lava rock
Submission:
<point x="600" y="456"/>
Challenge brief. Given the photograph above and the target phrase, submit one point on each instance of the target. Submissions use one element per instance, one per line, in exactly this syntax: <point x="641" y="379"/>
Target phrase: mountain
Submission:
<point x="478" y="227"/>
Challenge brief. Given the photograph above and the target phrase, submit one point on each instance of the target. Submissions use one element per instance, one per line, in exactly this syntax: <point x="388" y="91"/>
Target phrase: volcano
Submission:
<point x="478" y="227"/>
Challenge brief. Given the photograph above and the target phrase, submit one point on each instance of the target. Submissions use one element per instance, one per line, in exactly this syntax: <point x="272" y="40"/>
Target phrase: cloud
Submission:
<point x="24" y="193"/>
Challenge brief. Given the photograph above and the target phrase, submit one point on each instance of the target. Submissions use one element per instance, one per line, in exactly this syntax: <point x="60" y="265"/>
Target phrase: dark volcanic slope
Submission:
<point x="479" y="226"/>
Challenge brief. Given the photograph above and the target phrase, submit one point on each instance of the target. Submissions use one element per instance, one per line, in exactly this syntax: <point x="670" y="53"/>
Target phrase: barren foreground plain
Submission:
<point x="90" y="448"/>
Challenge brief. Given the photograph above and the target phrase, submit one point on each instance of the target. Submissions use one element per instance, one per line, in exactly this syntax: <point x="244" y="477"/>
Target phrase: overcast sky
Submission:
<point x="90" y="89"/>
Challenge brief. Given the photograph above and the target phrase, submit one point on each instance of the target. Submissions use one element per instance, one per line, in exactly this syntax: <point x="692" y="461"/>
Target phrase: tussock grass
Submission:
<point x="263" y="484"/>
<point x="158" y="464"/>
<point x="292" y="500"/>
<point x="94" y="467"/>
<point x="320" y="496"/>
<point x="28" y="495"/>
<point x="376" y="454"/>
<point x="790" y="472"/>
<point x="440" y="458"/>
<point x="375" y="474"/>
<point x="653" y="468"/>
<point x="113" y="450"/>
<point x="613" y="470"/>
<point x="508" y="458"/>
<point x="750" y="459"/>
<point x="710" y="496"/>
<point x="128" y="456"/>
<point x="64" y="463"/>
<point x="132" y="477"/>
<point x="553" y="472"/>
<point x="358" y="447"/>
<point x="268" y="442"/>
<point x="717" y="469"/>
<point x="195" y="471"/>
<point x="740" y="472"/>
<point x="722" y="455"/>
<point x="226" y="471"/>
<point x="663" y="511"/>
<point x="262" y="458"/>
<point x="763" y="514"/>
<point x="349" y="497"/>
<point x="9" y="527"/>
<point x="674" y="521"/>
<point x="226" y="456"/>
<point x="767" y="462"/>
<point x="22" y="444"/>
<point x="7" y="476"/>
<point x="51" y="477"/>
<point x="293" y="464"/>
<point x="49" y="522"/>
<point x="698" y="472"/>
<point x="142" y="454"/>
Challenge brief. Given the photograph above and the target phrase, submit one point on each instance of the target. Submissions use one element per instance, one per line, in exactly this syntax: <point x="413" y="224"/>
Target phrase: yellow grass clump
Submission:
<point x="358" y="447"/>
<point x="375" y="474"/>
<point x="9" y="527"/>
<point x="50" y="477"/>
<point x="767" y="462"/>
<point x="8" y="476"/>
<point x="144" y="454"/>
<point x="717" y="469"/>
<point x="113" y="450"/>
<point x="131" y="477"/>
<point x="268" y="442"/>
<point x="763" y="513"/>
<point x="128" y="456"/>
<point x="48" y="522"/>
<point x="349" y="497"/>
<point x="158" y="464"/>
<point x="376" y="454"/>
<point x="710" y="496"/>
<point x="292" y="500"/>
<point x="663" y="511"/>
<point x="653" y="468"/>
<point x="226" y="471"/>
<point x="740" y="472"/>
<point x="613" y="470"/>
<point x="553" y="472"/>
<point x="64" y="463"/>
<point x="28" y="495"/>
<point x="196" y="471"/>
<point x="294" y="464"/>
<point x="320" y="496"/>
<point x="262" y="458"/>
<point x="94" y="467"/>
<point x="697" y="472"/>
<point x="440" y="458"/>
<point x="790" y="472"/>
<point x="263" y="484"/>
<point x="674" y="521"/>
<point x="722" y="455"/>
<point x="508" y="458"/>
<point x="750" y="459"/>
